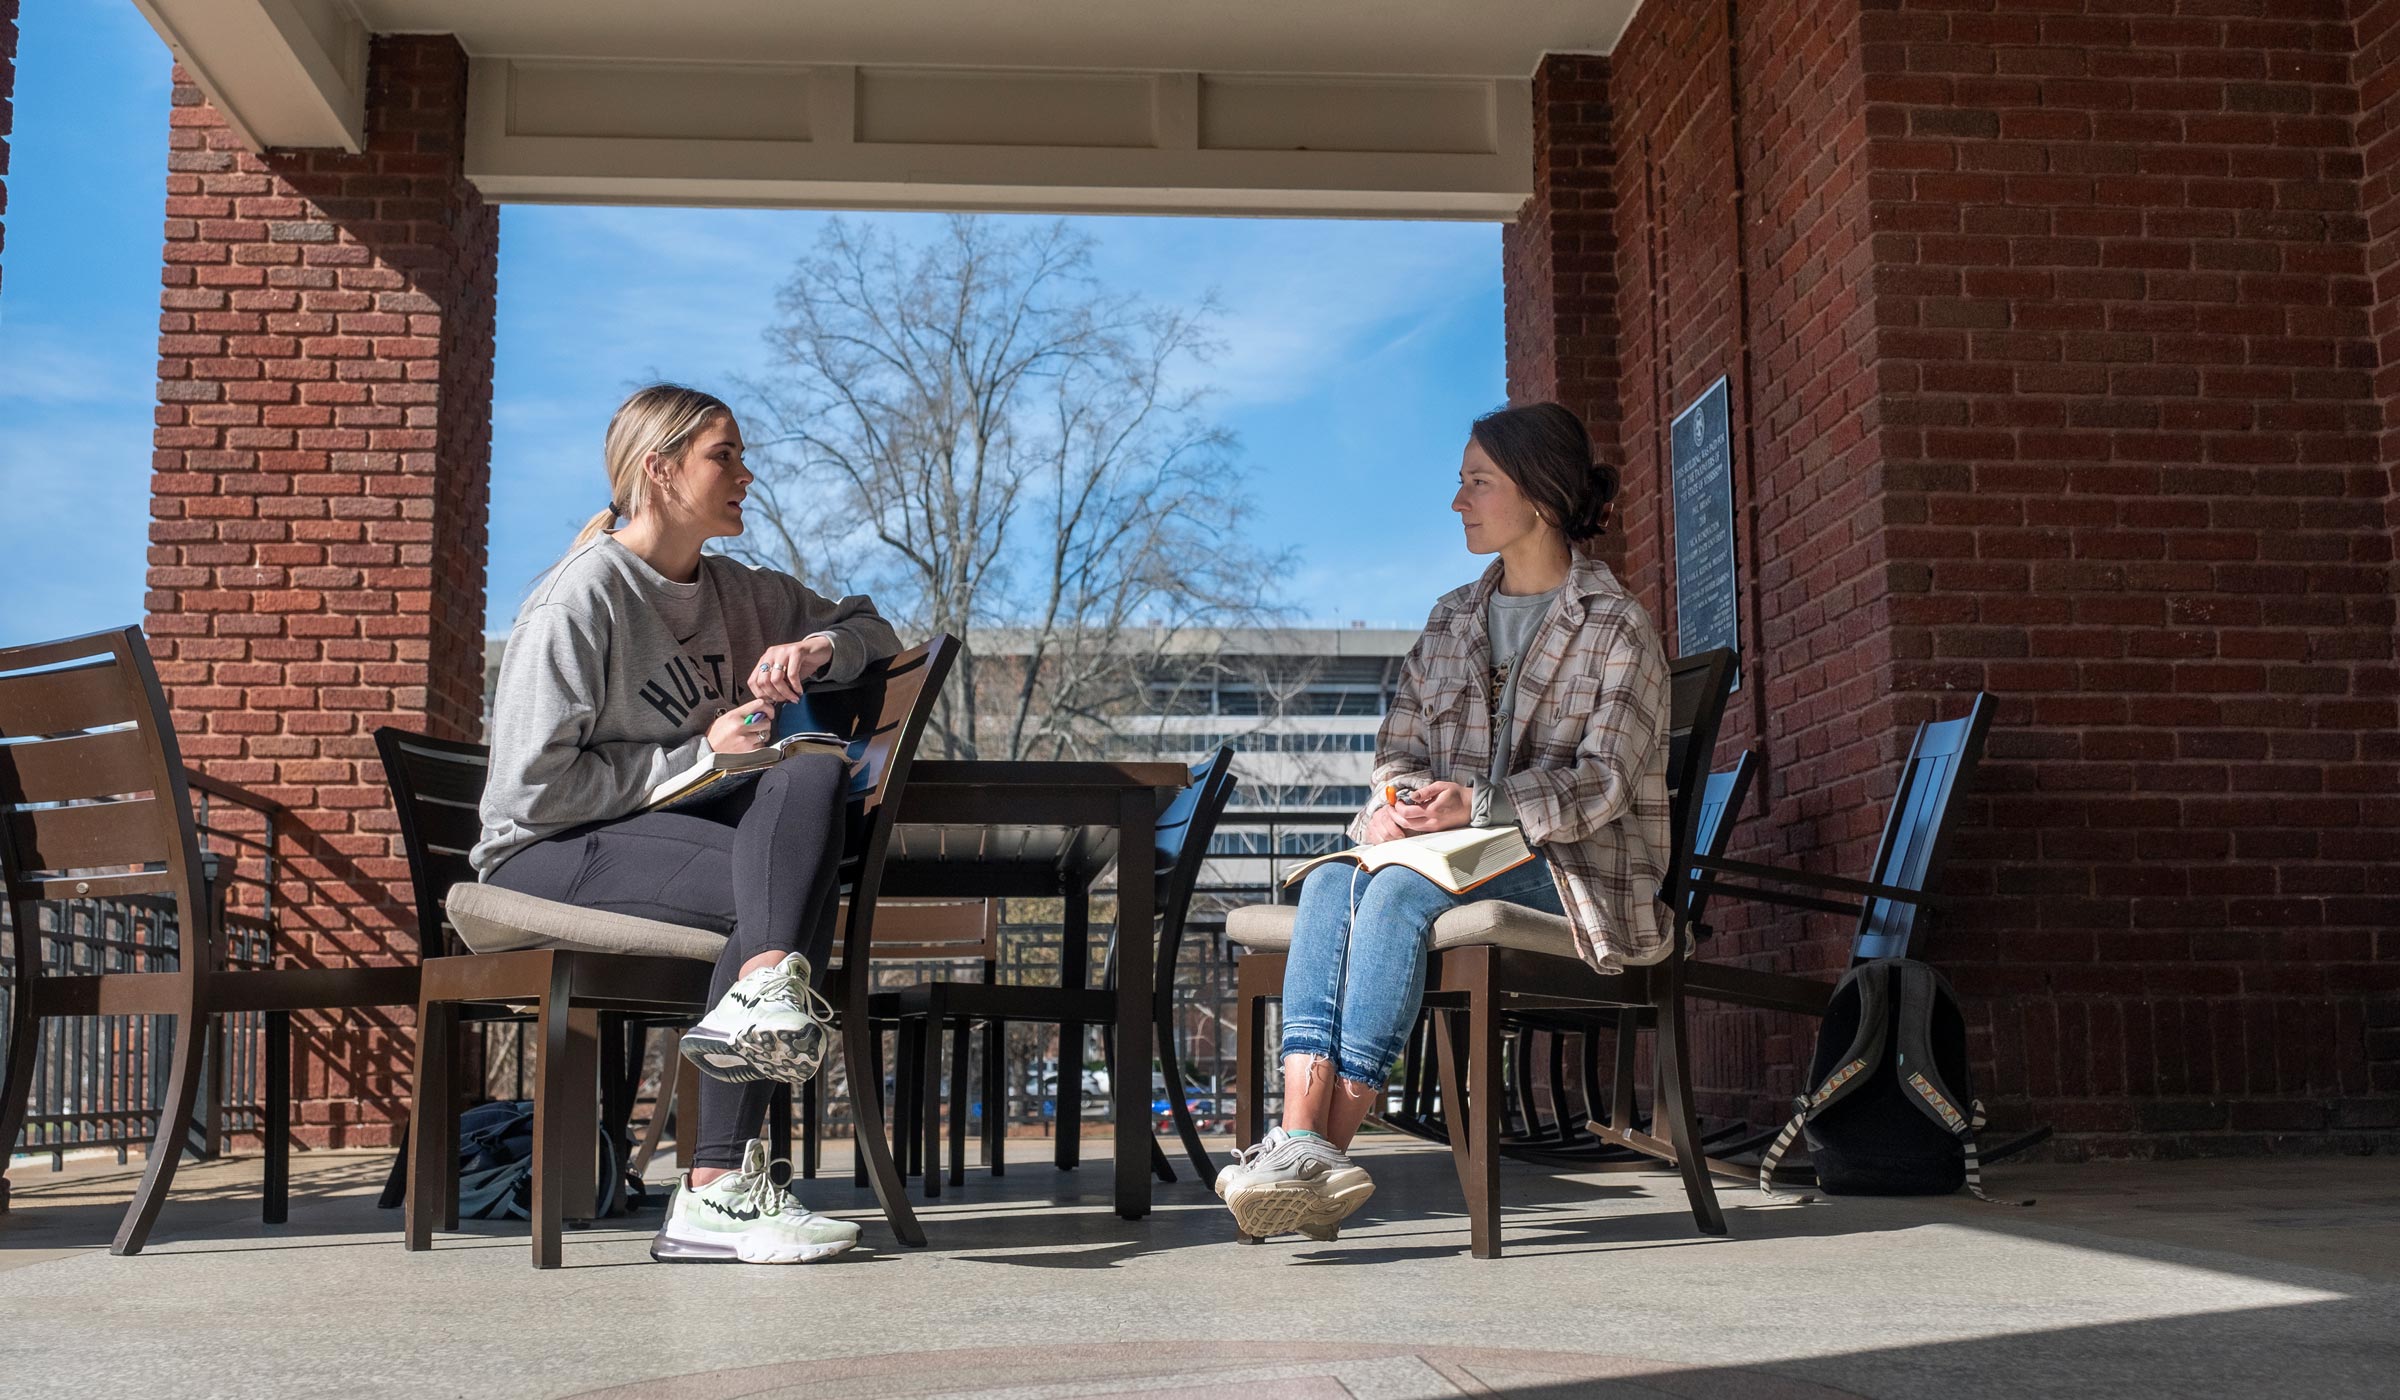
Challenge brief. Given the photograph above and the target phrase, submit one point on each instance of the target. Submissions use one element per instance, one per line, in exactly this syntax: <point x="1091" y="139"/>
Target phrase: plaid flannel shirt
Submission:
<point x="1588" y="748"/>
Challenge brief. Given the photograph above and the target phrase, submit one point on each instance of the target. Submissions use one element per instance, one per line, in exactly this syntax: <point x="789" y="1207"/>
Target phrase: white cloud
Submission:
<point x="43" y="365"/>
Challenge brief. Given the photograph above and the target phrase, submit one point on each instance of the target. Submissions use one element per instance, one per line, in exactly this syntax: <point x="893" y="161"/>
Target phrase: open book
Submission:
<point x="1458" y="859"/>
<point x="716" y="773"/>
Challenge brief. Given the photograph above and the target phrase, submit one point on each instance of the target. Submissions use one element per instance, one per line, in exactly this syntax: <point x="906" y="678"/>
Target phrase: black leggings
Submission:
<point x="759" y="865"/>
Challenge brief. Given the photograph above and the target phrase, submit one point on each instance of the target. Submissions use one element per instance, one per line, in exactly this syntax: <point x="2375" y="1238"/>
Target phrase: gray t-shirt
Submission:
<point x="1510" y="624"/>
<point x="614" y="672"/>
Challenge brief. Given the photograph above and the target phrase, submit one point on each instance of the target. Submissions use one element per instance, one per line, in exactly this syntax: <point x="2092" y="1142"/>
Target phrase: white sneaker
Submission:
<point x="771" y="1025"/>
<point x="1292" y="1183"/>
<point x="745" y="1217"/>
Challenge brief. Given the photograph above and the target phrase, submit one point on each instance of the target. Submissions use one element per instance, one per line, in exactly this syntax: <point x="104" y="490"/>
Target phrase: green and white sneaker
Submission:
<point x="744" y="1217"/>
<point x="1285" y="1182"/>
<point x="771" y="1025"/>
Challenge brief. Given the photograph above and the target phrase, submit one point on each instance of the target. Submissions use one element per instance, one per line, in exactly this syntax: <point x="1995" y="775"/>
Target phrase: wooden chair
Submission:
<point x="943" y="931"/>
<point x="95" y="803"/>
<point x="1180" y="849"/>
<point x="437" y="792"/>
<point x="1897" y="897"/>
<point x="571" y="963"/>
<point x="1491" y="958"/>
<point x="1564" y="1136"/>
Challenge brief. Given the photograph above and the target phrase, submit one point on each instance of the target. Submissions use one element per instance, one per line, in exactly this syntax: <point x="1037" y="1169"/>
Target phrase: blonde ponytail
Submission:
<point x="656" y="421"/>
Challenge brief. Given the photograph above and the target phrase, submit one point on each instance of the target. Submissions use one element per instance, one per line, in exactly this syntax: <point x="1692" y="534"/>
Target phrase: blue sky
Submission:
<point x="1355" y="353"/>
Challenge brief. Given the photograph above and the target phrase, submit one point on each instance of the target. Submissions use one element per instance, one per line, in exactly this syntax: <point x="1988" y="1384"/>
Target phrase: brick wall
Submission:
<point x="318" y="503"/>
<point x="2131" y="474"/>
<point x="2052" y="344"/>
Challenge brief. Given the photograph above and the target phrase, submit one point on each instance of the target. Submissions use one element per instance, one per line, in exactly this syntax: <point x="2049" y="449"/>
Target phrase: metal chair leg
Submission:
<point x="24" y="1040"/>
<point x="1675" y="1100"/>
<point x="174" y="1115"/>
<point x="432" y="1126"/>
<point x="866" y="1100"/>
<point x="929" y="1065"/>
<point x="960" y="1044"/>
<point x="275" y="1198"/>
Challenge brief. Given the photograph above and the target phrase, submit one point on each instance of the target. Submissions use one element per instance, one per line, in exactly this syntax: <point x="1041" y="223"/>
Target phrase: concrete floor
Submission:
<point x="2238" y="1278"/>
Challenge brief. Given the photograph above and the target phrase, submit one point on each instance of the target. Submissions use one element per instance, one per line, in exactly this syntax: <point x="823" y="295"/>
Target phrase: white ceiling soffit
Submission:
<point x="1375" y="108"/>
<point x="1456" y="38"/>
<point x="1009" y="139"/>
<point x="284" y="72"/>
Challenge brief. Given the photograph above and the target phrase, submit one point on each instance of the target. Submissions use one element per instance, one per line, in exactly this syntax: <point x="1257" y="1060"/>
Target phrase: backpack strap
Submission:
<point x="1922" y="1074"/>
<point x="1866" y="1051"/>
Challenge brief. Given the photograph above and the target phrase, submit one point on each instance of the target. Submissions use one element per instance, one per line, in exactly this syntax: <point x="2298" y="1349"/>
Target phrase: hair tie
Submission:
<point x="614" y="509"/>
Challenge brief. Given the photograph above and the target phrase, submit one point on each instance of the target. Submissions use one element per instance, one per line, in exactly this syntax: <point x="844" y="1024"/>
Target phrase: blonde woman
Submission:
<point x="637" y="655"/>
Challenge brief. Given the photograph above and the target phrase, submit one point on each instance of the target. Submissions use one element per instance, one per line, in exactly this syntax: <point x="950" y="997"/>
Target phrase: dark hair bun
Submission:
<point x="1544" y="449"/>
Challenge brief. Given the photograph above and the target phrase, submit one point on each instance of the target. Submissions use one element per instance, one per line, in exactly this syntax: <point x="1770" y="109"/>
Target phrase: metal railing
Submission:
<point x="98" y="1080"/>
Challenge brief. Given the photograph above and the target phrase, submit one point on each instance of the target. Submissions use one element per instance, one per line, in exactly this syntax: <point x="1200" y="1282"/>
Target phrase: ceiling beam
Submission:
<point x="285" y="73"/>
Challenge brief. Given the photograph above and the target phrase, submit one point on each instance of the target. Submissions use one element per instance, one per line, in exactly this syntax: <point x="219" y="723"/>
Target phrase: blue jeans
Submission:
<point x="1352" y="984"/>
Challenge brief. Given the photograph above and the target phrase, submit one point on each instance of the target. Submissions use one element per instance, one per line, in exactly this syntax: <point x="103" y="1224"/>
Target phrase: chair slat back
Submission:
<point x="437" y="790"/>
<point x="1698" y="686"/>
<point x="953" y="929"/>
<point x="882" y="714"/>
<point x="1940" y="768"/>
<point x="93" y="798"/>
<point x="1185" y="829"/>
<point x="1720" y="811"/>
<point x="58" y="700"/>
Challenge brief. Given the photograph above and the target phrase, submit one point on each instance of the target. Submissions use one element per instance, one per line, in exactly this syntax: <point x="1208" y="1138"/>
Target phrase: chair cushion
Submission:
<point x="1267" y="928"/>
<point x="1504" y="925"/>
<point x="494" y="920"/>
<point x="1262" y="928"/>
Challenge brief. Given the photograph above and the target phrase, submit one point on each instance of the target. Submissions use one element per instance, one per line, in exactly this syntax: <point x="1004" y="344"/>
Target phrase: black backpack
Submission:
<point x="1891" y="1074"/>
<point x="495" y="1167"/>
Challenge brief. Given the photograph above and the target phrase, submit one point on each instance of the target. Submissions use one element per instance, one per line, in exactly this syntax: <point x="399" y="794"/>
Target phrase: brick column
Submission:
<point x="2071" y="342"/>
<point x="319" y="499"/>
<point x="1559" y="258"/>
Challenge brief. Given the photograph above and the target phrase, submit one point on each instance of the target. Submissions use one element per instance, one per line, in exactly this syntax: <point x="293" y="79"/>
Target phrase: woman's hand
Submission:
<point x="1439" y="807"/>
<point x="744" y="730"/>
<point x="781" y="669"/>
<point x="1382" y="826"/>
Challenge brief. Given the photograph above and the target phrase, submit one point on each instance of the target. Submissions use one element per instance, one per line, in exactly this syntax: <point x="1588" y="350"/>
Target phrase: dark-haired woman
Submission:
<point x="1537" y="697"/>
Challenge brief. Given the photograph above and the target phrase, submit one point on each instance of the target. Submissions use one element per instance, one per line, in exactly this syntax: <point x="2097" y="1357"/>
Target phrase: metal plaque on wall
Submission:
<point x="1700" y="462"/>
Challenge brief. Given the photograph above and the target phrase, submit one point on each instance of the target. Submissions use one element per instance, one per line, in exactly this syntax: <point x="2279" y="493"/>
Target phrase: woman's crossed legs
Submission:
<point x="1352" y="985"/>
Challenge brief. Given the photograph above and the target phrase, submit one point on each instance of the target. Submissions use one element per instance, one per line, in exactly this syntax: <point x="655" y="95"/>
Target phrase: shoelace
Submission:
<point x="769" y="1199"/>
<point x="1248" y="1156"/>
<point x="1286" y="1147"/>
<point x="781" y="983"/>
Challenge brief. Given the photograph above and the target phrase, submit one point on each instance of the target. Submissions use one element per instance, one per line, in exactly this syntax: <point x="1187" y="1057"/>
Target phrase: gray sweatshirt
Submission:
<point x="613" y="673"/>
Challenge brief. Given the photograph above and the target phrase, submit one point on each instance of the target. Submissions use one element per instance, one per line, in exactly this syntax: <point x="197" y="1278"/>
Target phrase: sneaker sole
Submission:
<point x="667" y="1250"/>
<point x="756" y="1056"/>
<point x="1276" y="1208"/>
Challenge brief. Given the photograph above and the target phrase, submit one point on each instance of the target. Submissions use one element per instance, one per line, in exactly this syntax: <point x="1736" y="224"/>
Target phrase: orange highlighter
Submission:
<point x="1400" y="794"/>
